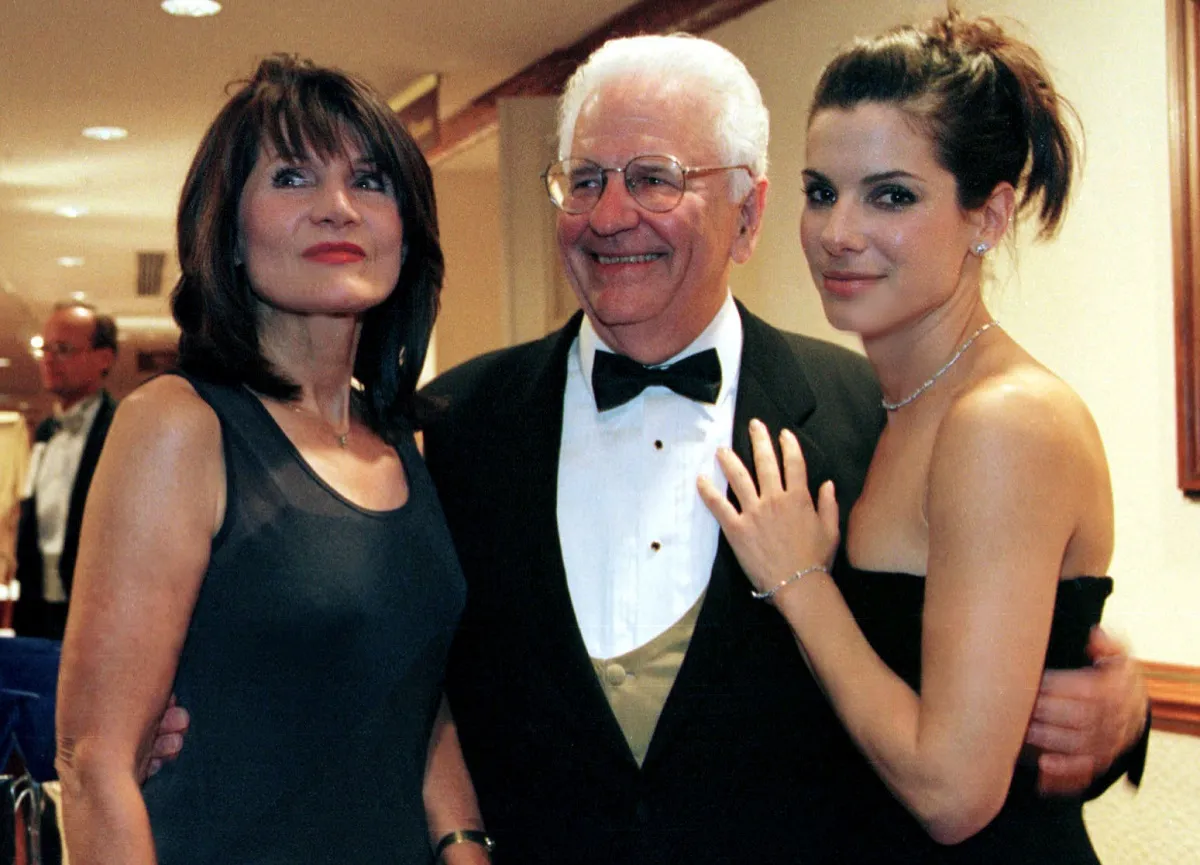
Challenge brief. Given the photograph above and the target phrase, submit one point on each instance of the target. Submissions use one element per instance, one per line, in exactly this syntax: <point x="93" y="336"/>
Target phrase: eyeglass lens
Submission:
<point x="655" y="182"/>
<point x="62" y="349"/>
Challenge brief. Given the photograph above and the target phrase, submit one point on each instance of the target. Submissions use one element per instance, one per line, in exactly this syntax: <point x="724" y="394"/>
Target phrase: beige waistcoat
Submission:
<point x="638" y="682"/>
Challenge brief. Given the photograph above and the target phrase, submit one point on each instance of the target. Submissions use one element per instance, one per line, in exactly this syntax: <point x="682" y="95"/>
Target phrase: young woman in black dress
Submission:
<point x="976" y="550"/>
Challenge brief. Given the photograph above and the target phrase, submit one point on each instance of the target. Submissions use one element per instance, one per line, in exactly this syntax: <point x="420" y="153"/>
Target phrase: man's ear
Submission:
<point x="110" y="357"/>
<point x="750" y="215"/>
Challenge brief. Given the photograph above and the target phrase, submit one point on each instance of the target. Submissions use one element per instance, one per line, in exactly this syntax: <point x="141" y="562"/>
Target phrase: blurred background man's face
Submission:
<point x="71" y="368"/>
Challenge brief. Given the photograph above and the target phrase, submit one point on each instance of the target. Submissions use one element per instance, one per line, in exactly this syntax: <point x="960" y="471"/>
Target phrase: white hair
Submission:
<point x="741" y="125"/>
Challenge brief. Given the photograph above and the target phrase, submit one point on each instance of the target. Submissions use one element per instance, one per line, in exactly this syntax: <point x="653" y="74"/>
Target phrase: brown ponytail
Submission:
<point x="985" y="100"/>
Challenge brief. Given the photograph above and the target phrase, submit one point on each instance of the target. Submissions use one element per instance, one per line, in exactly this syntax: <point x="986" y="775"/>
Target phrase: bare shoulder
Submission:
<point x="162" y="461"/>
<point x="171" y="401"/>
<point x="1023" y="410"/>
<point x="162" y="433"/>
<point x="167" y="411"/>
<point x="1019" y="448"/>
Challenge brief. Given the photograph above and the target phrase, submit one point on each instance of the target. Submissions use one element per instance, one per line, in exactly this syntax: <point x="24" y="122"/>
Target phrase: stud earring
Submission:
<point x="980" y="249"/>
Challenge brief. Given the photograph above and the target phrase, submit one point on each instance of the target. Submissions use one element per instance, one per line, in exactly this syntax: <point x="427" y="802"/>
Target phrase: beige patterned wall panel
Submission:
<point x="1158" y="824"/>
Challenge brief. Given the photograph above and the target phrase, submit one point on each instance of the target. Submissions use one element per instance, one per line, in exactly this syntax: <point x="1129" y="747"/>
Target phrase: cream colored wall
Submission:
<point x="1095" y="304"/>
<point x="473" y="317"/>
<point x="527" y="134"/>
<point x="1159" y="823"/>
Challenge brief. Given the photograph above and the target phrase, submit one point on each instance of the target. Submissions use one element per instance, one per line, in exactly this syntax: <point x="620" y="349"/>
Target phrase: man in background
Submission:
<point x="78" y="352"/>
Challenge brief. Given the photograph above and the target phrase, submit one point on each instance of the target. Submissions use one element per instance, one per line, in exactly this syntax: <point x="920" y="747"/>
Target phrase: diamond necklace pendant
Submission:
<point x="928" y="383"/>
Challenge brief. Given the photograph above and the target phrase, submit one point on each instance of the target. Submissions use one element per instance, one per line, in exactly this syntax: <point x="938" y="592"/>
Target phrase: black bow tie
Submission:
<point x="616" y="379"/>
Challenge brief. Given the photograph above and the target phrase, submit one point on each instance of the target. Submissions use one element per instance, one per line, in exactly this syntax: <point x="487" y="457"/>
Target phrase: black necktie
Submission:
<point x="616" y="379"/>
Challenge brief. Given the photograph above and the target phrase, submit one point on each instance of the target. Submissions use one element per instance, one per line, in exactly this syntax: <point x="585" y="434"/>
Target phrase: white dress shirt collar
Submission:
<point x="637" y="542"/>
<point x="724" y="333"/>
<point x="79" y="417"/>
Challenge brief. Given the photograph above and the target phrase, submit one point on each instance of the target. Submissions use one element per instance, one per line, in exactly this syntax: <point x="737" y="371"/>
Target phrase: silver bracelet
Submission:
<point x="769" y="594"/>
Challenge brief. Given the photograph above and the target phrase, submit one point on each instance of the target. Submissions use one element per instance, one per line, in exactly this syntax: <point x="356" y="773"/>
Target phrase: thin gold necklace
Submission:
<point x="928" y="383"/>
<point x="340" y="438"/>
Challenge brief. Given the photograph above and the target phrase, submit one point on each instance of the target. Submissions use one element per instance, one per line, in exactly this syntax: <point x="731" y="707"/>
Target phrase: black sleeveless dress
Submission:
<point x="1030" y="829"/>
<point x="312" y="666"/>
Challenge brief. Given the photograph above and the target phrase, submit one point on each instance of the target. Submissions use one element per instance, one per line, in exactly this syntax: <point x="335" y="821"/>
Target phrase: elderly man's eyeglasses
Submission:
<point x="657" y="183"/>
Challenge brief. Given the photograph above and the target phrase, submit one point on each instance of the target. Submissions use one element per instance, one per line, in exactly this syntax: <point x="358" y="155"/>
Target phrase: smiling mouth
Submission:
<point x="627" y="259"/>
<point x="847" y="284"/>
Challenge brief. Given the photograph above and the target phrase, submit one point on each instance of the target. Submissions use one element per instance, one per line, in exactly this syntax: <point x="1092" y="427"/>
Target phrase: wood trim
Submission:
<point x="547" y="76"/>
<point x="1183" y="60"/>
<point x="1174" y="697"/>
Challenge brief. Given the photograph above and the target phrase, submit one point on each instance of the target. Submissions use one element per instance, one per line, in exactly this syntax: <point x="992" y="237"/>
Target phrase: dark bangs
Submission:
<point x="319" y="116"/>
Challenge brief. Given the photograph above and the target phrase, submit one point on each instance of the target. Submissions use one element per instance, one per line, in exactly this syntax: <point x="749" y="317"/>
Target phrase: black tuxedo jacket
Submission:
<point x="741" y="765"/>
<point x="31" y="618"/>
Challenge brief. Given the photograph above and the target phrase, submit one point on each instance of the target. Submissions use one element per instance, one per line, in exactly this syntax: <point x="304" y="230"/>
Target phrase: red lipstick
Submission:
<point x="335" y="253"/>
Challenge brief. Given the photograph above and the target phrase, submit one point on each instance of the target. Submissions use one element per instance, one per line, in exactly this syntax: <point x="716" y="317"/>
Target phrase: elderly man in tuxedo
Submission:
<point x="78" y="351"/>
<point x="618" y="694"/>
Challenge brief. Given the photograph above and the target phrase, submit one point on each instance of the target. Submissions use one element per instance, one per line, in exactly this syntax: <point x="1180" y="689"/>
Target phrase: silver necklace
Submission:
<point x="928" y="383"/>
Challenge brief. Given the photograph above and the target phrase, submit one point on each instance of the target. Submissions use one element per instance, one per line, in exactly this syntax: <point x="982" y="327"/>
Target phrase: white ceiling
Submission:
<point x="67" y="64"/>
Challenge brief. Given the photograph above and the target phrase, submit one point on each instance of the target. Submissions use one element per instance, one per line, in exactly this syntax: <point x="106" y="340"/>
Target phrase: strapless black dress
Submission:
<point x="1030" y="829"/>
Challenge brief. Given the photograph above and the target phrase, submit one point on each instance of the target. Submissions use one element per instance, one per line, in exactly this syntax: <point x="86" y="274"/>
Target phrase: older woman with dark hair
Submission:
<point x="262" y="538"/>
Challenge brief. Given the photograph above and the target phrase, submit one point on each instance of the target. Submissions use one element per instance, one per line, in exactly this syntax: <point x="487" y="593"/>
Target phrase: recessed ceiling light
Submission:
<point x="71" y="211"/>
<point x="36" y="342"/>
<point x="191" y="8"/>
<point x="105" y="133"/>
<point x="79" y="296"/>
<point x="70" y="261"/>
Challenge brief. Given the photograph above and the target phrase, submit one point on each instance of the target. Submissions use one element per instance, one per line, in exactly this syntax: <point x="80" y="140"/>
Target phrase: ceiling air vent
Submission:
<point x="150" y="273"/>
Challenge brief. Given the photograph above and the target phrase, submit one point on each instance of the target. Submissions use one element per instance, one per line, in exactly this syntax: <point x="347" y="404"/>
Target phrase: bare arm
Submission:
<point x="450" y="802"/>
<point x="997" y="535"/>
<point x="152" y="509"/>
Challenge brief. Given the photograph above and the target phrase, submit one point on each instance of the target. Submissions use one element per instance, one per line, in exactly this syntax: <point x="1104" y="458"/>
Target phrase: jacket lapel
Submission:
<point x="83" y="481"/>
<point x="772" y="388"/>
<point x="537" y="411"/>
